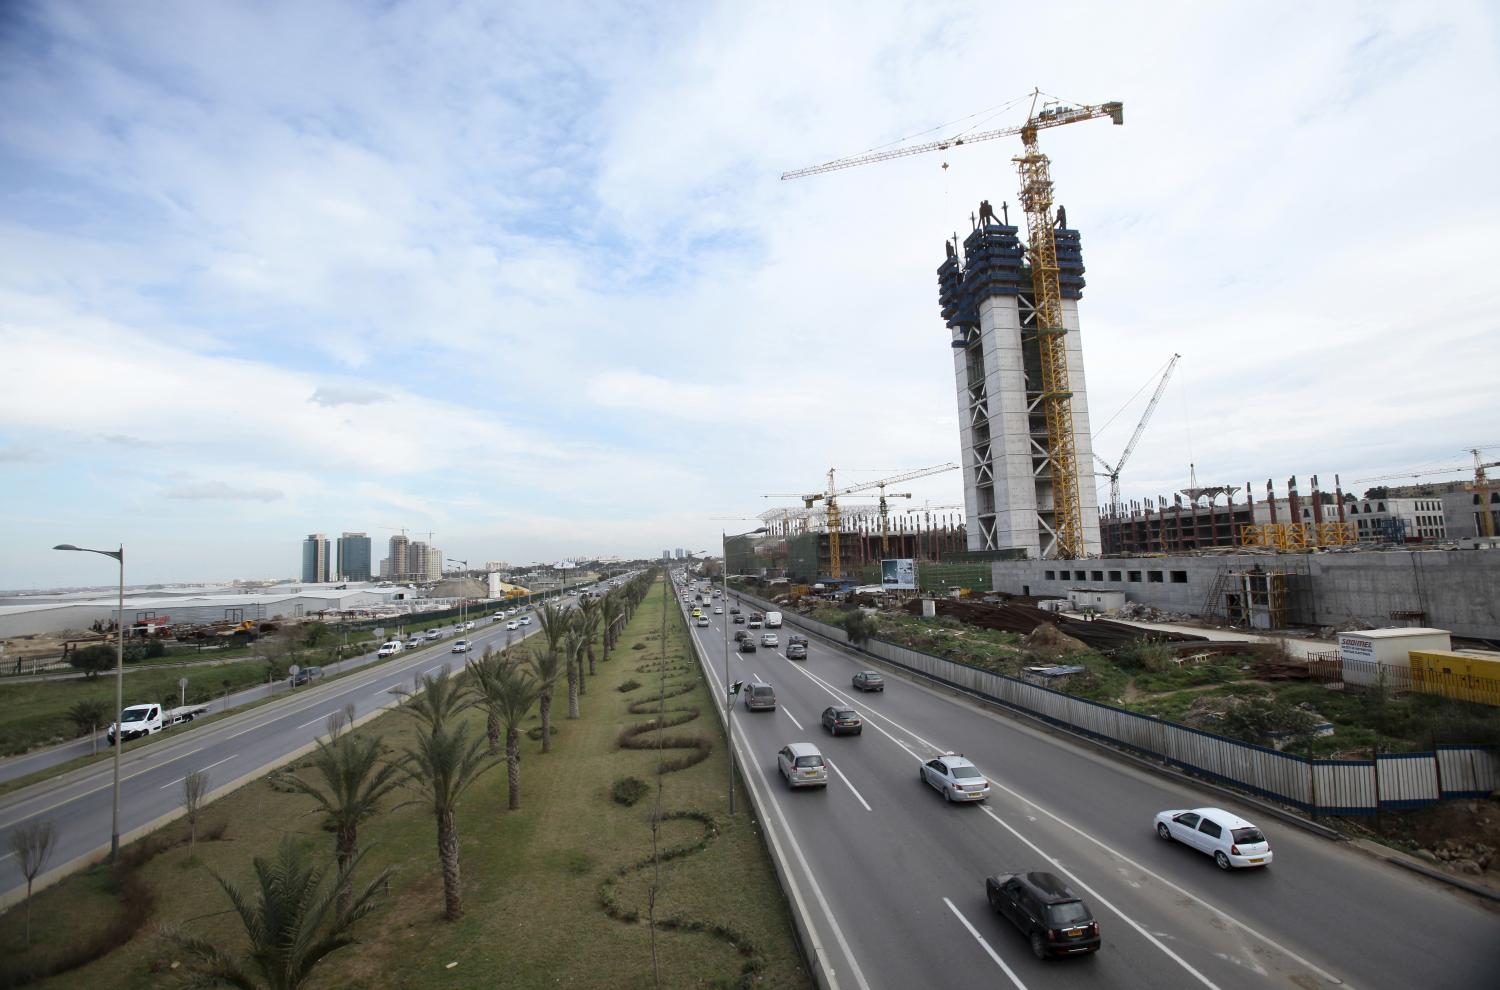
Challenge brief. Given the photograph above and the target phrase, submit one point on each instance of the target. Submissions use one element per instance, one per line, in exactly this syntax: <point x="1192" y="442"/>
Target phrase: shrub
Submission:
<point x="88" y="715"/>
<point x="630" y="685"/>
<point x="639" y="646"/>
<point x="629" y="790"/>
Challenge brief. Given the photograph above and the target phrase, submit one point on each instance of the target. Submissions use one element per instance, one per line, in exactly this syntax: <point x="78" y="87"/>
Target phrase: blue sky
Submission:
<point x="524" y="275"/>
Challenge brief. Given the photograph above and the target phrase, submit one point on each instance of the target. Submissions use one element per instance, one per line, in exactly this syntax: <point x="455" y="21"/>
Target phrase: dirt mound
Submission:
<point x="1047" y="640"/>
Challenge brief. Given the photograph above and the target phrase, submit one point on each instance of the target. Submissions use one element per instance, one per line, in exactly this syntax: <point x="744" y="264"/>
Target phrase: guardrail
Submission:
<point x="1317" y="786"/>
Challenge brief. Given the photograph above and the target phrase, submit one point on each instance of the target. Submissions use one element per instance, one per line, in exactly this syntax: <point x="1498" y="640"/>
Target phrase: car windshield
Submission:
<point x="136" y="714"/>
<point x="1070" y="913"/>
<point x="1248" y="835"/>
<point x="809" y="761"/>
<point x="966" y="773"/>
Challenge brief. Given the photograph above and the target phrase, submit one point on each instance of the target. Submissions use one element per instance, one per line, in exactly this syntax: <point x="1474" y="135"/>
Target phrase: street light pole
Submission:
<point x="114" y="826"/>
<point x="462" y="603"/>
<point x="728" y="686"/>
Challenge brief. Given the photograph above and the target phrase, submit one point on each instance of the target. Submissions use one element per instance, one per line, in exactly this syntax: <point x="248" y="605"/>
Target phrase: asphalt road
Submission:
<point x="231" y="749"/>
<point x="893" y="876"/>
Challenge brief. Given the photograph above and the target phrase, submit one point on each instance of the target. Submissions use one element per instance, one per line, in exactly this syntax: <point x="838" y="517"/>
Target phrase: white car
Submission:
<point x="702" y="620"/>
<point x="389" y="649"/>
<point x="462" y="646"/>
<point x="468" y="625"/>
<point x="525" y="620"/>
<point x="512" y="626"/>
<point x="956" y="778"/>
<point x="1229" y="839"/>
<point x="769" y="639"/>
<point x="718" y="610"/>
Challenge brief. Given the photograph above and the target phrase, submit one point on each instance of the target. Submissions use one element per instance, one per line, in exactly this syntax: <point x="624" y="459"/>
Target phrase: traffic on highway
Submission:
<point x="946" y="844"/>
<point x="235" y="748"/>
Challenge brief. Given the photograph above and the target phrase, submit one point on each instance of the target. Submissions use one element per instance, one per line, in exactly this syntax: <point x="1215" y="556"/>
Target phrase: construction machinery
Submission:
<point x="1036" y="199"/>
<point x="1481" y="485"/>
<point x="830" y="499"/>
<point x="1119" y="465"/>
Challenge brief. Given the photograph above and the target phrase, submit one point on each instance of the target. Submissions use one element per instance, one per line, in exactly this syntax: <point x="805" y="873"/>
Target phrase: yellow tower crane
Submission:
<point x="1485" y="521"/>
<point x="830" y="498"/>
<point x="1036" y="199"/>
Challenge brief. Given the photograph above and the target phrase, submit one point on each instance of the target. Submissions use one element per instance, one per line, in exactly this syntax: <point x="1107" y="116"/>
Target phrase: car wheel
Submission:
<point x="1038" y="945"/>
<point x="1222" y="860"/>
<point x="947" y="795"/>
<point x="1163" y="831"/>
<point x="994" y="901"/>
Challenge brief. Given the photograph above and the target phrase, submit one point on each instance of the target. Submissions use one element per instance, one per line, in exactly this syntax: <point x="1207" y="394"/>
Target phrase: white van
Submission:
<point x="389" y="649"/>
<point x="773" y="620"/>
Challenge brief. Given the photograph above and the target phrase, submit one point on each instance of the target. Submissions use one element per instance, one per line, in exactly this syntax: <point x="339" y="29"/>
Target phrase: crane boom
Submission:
<point x="1119" y="465"/>
<point x="1047" y="118"/>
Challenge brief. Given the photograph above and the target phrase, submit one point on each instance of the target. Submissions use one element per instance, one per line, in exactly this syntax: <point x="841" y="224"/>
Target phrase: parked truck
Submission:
<point x="144" y="720"/>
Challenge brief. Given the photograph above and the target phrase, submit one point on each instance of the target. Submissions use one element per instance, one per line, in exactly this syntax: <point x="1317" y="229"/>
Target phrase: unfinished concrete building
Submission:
<point x="986" y="300"/>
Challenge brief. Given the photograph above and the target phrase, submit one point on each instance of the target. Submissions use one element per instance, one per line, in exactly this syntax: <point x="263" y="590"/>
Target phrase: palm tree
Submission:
<point x="589" y="622"/>
<point x="572" y="646"/>
<point x="555" y="623"/>
<point x="547" y="666"/>
<point x="291" y="920"/>
<point x="436" y="701"/>
<point x="440" y="766"/>
<point x="507" y="693"/>
<point x="353" y="783"/>
<point x="613" y="608"/>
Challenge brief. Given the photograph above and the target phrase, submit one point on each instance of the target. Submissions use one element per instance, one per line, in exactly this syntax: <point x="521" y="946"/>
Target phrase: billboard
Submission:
<point x="899" y="574"/>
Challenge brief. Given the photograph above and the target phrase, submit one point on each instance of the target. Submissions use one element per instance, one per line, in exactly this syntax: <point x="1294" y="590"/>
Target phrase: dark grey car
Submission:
<point x="760" y="698"/>
<point x="869" y="680"/>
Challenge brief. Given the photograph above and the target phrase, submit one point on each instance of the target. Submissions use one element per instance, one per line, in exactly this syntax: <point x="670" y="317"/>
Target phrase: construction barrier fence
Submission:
<point x="1390" y="781"/>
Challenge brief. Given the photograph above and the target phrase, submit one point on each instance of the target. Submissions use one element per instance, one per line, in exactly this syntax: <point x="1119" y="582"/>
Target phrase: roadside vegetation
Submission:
<point x="612" y="866"/>
<point x="1224" y="693"/>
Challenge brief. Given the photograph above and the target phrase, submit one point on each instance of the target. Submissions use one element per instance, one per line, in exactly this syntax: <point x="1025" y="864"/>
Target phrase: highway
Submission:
<point x="893" y="876"/>
<point x="229" y="750"/>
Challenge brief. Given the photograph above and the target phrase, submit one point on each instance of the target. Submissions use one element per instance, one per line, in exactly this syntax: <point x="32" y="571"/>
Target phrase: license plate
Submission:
<point x="1261" y="859"/>
<point x="809" y="773"/>
<point x="1073" y="932"/>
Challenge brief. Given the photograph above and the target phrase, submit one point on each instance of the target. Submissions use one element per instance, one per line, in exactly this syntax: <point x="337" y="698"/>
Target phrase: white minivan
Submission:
<point x="389" y="649"/>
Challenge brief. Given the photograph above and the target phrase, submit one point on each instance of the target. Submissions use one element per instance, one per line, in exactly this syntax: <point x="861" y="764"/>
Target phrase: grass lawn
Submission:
<point x="36" y="713"/>
<point x="536" y="881"/>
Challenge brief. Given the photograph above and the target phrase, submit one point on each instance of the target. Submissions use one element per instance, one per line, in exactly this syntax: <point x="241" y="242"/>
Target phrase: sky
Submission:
<point x="524" y="275"/>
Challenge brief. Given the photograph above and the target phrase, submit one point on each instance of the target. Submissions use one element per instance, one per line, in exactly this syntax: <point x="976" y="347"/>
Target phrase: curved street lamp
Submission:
<point x="119" y="555"/>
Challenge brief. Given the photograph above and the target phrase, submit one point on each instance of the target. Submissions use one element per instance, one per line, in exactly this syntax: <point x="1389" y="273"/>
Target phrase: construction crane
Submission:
<point x="1036" y="199"/>
<point x="830" y="498"/>
<point x="1481" y="485"/>
<point x="1119" y="465"/>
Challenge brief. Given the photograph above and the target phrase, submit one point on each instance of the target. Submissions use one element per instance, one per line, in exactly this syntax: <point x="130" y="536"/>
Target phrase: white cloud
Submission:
<point x="221" y="491"/>
<point x="551" y="241"/>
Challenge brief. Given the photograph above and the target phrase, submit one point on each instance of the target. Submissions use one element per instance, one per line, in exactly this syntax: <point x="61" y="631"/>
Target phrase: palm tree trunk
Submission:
<point x="513" y="766"/>
<point x="453" y="884"/>
<point x="583" y="682"/>
<point x="592" y="671"/>
<point x="547" y="721"/>
<point x="572" y="690"/>
<point x="492" y="730"/>
<point x="345" y="842"/>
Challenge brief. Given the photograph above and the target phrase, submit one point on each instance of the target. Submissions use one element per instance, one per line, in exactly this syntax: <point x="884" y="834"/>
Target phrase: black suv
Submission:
<point x="1049" y="914"/>
<point x="747" y="645"/>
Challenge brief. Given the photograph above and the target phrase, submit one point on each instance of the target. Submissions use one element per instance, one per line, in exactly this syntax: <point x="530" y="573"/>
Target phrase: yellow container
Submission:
<point x="1463" y="676"/>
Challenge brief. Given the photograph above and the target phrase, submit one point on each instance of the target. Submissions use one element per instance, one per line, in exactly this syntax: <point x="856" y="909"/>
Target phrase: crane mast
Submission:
<point x="1036" y="200"/>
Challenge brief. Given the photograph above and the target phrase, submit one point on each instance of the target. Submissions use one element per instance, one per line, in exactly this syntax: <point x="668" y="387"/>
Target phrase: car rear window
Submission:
<point x="1248" y="835"/>
<point x="761" y="690"/>
<point x="809" y="761"/>
<point x="846" y="713"/>
<point x="1068" y="913"/>
<point x="966" y="773"/>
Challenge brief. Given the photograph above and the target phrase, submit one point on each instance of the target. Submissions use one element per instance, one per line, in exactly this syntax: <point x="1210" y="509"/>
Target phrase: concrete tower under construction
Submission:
<point x="986" y="297"/>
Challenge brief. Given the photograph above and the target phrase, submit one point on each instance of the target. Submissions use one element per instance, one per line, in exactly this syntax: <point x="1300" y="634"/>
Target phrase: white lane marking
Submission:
<point x="1327" y="976"/>
<point x="382" y="693"/>
<point x="1224" y="915"/>
<point x="786" y="832"/>
<point x="203" y="770"/>
<point x="842" y="776"/>
<point x="6" y="856"/>
<point x="429" y="670"/>
<point x="321" y="718"/>
<point x="792" y="717"/>
<point x="985" y="945"/>
<point x="1101" y="899"/>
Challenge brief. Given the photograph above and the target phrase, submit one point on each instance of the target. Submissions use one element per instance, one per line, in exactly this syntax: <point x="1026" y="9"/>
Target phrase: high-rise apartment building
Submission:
<point x="399" y="569"/>
<point x="987" y="303"/>
<point x="680" y="553"/>
<point x="354" y="557"/>
<point x="423" y="563"/>
<point x="317" y="562"/>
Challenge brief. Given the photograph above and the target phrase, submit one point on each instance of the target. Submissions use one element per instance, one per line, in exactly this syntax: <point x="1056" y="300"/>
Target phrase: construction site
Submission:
<point x="1042" y="516"/>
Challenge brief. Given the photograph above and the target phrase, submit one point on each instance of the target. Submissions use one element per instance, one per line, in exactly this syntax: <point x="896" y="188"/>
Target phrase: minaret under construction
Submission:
<point x="986" y="297"/>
